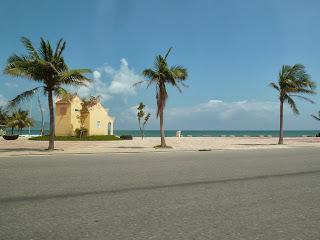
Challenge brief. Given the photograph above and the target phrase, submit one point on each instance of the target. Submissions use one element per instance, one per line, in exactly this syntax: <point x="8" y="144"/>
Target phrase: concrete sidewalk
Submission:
<point x="22" y="147"/>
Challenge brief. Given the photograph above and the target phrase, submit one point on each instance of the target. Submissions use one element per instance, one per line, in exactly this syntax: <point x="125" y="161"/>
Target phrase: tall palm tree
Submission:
<point x="293" y="82"/>
<point x="47" y="67"/>
<point x="161" y="75"/>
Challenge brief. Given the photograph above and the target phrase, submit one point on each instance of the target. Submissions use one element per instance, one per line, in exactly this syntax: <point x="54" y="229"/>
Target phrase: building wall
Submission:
<point x="98" y="123"/>
<point x="62" y="121"/>
<point x="75" y="107"/>
<point x="66" y="117"/>
<point x="67" y="120"/>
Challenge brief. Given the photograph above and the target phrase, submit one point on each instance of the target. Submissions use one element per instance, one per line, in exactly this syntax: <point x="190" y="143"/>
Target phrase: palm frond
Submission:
<point x="177" y="75"/>
<point x="59" y="48"/>
<point x="178" y="87"/>
<point x="34" y="69"/>
<point x="49" y="51"/>
<point x="159" y="63"/>
<point x="315" y="117"/>
<point x="153" y="81"/>
<point x="139" y="83"/>
<point x="275" y="86"/>
<point x="179" y="72"/>
<point x="153" y="76"/>
<point x="60" y="92"/>
<point x="168" y="52"/>
<point x="74" y="77"/>
<point x="302" y="97"/>
<point x="30" y="48"/>
<point x="292" y="105"/>
<point x="146" y="119"/>
<point x="45" y="50"/>
<point x="302" y="90"/>
<point x="150" y="73"/>
<point x="184" y="85"/>
<point x="23" y="96"/>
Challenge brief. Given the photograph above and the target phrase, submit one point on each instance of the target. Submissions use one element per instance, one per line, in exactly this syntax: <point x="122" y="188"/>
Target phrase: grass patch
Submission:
<point x="74" y="138"/>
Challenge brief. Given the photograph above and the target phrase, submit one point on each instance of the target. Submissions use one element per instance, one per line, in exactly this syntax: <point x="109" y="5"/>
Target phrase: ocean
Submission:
<point x="219" y="133"/>
<point x="202" y="133"/>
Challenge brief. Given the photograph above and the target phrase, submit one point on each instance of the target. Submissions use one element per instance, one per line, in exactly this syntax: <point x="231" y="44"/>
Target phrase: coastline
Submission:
<point x="24" y="147"/>
<point x="205" y="133"/>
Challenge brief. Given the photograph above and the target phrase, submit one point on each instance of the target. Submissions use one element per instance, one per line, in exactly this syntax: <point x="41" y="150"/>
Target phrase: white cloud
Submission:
<point x="226" y="110"/>
<point x="123" y="79"/>
<point x="214" y="114"/>
<point x="109" y="82"/>
<point x="97" y="87"/>
<point x="218" y="114"/>
<point x="3" y="100"/>
<point x="96" y="75"/>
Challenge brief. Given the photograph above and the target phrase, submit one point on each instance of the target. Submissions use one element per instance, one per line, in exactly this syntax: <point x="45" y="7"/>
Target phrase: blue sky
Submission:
<point x="232" y="50"/>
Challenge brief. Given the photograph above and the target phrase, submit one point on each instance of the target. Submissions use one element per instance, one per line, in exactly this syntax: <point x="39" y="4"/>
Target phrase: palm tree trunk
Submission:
<point x="141" y="133"/>
<point x="42" y="119"/>
<point x="281" y="123"/>
<point x="51" y="110"/>
<point x="163" y="140"/>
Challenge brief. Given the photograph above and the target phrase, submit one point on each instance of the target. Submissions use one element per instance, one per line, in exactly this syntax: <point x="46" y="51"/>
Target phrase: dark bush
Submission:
<point x="81" y="131"/>
<point x="126" y="137"/>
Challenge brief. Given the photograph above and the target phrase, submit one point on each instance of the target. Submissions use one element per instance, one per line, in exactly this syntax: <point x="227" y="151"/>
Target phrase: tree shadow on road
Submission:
<point x="11" y="150"/>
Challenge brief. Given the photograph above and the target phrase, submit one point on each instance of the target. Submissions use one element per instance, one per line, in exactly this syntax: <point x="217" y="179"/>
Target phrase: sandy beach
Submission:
<point x="28" y="147"/>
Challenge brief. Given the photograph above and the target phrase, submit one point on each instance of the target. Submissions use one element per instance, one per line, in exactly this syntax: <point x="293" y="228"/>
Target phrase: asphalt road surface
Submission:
<point x="254" y="194"/>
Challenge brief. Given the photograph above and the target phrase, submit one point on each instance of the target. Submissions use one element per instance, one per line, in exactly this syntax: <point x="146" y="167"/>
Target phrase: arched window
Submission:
<point x="109" y="129"/>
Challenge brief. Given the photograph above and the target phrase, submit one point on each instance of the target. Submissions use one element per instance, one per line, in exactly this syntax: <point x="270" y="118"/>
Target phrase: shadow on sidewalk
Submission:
<point x="133" y="147"/>
<point x="22" y="149"/>
<point x="257" y="144"/>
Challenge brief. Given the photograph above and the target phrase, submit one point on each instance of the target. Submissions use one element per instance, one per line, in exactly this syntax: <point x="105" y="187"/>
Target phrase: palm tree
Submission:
<point x="3" y="116"/>
<point x="293" y="82"/>
<point x="315" y="117"/>
<point x="161" y="75"/>
<point x="24" y="120"/>
<point x="19" y="119"/>
<point x="47" y="67"/>
<point x="142" y="115"/>
<point x="12" y="123"/>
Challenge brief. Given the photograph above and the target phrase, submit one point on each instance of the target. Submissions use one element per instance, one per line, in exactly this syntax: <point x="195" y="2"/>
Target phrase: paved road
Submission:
<point x="256" y="194"/>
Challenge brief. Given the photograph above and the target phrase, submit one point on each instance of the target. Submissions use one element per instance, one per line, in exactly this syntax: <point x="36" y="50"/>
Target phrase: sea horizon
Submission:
<point x="199" y="133"/>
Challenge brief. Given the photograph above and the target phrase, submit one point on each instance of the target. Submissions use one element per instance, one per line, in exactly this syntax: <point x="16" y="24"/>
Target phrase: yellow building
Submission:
<point x="97" y="120"/>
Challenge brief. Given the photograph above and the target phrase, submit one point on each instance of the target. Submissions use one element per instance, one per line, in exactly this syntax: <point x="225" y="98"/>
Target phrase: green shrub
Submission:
<point x="81" y="132"/>
<point x="75" y="138"/>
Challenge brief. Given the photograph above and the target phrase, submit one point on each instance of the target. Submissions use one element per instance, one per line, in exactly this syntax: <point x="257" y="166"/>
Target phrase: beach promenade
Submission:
<point x="258" y="194"/>
<point x="28" y="147"/>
